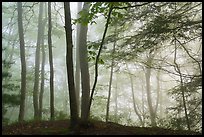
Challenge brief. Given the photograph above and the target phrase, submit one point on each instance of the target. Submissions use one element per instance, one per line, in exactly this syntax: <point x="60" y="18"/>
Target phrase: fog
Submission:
<point x="143" y="78"/>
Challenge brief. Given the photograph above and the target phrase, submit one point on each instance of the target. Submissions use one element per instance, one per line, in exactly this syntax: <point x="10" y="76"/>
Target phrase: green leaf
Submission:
<point x="100" y="61"/>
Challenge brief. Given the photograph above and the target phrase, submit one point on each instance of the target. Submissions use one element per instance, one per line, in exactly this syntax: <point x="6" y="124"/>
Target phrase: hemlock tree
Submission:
<point x="23" y="62"/>
<point x="69" y="61"/>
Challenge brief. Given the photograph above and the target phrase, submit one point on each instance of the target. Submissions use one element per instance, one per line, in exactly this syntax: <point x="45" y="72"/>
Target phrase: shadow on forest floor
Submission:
<point x="61" y="127"/>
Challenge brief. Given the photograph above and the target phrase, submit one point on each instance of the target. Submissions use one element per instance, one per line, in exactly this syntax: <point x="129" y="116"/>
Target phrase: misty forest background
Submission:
<point x="133" y="63"/>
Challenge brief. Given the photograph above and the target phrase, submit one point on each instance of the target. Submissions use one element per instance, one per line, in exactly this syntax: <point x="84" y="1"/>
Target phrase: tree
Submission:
<point x="111" y="77"/>
<point x="135" y="105"/>
<point x="51" y="63"/>
<point x="177" y="68"/>
<point x="85" y="80"/>
<point x="23" y="62"/>
<point x="69" y="61"/>
<point x="77" y="72"/>
<point x="98" y="55"/>
<point x="37" y="64"/>
<point x="9" y="99"/>
<point x="116" y="99"/>
<point x="152" y="110"/>
<point x="159" y="28"/>
<point x="42" y="69"/>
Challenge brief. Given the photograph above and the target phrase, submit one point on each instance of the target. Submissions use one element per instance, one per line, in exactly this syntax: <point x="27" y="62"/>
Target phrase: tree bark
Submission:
<point x="133" y="97"/>
<point x="52" y="109"/>
<point x="37" y="65"/>
<point x="42" y="71"/>
<point x="182" y="88"/>
<point x="85" y="80"/>
<point x="110" y="82"/>
<point x="69" y="62"/>
<point x="158" y="91"/>
<point x="98" y="55"/>
<point x="23" y="62"/>
<point x="116" y="100"/>
<point x="143" y="106"/>
<point x="77" y="72"/>
<point x="148" y="89"/>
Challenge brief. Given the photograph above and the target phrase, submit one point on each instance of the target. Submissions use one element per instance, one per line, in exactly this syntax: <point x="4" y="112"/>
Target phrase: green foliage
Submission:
<point x="194" y="105"/>
<point x="11" y="86"/>
<point x="92" y="52"/>
<point x="98" y="8"/>
<point x="9" y="98"/>
<point x="6" y="75"/>
<point x="86" y="17"/>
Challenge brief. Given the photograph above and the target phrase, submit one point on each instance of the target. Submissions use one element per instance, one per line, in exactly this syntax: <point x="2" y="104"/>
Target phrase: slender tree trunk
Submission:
<point x="66" y="98"/>
<point x="116" y="100"/>
<point x="52" y="109"/>
<point x="161" y="102"/>
<point x="158" y="91"/>
<point x="111" y="77"/>
<point x="37" y="65"/>
<point x="85" y="80"/>
<point x="42" y="83"/>
<point x="77" y="72"/>
<point x="42" y="71"/>
<point x="98" y="55"/>
<point x="69" y="61"/>
<point x="143" y="110"/>
<point x="23" y="63"/>
<point x="149" y="98"/>
<point x="182" y="89"/>
<point x="133" y="97"/>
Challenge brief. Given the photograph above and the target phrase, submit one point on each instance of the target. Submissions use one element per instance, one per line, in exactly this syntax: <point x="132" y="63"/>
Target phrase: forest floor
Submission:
<point x="61" y="127"/>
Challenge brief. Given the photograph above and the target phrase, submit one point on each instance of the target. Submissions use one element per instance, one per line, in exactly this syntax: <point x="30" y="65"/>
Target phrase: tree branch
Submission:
<point x="136" y="5"/>
<point x="97" y="57"/>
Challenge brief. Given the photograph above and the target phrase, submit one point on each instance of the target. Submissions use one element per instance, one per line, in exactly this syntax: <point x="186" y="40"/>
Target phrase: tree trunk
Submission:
<point x="66" y="97"/>
<point x="149" y="98"/>
<point x="182" y="89"/>
<point x="111" y="77"/>
<point x="116" y="100"/>
<point x="85" y="80"/>
<point x="37" y="65"/>
<point x="161" y="102"/>
<point x="42" y="71"/>
<point x="23" y="63"/>
<point x="98" y="55"/>
<point x="133" y="97"/>
<point x="69" y="62"/>
<point x="158" y="91"/>
<point x="77" y="72"/>
<point x="143" y="106"/>
<point x="52" y="109"/>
